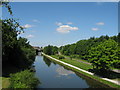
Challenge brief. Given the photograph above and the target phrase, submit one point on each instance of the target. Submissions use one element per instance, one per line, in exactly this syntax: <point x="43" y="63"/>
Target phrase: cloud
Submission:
<point x="66" y="29"/>
<point x="30" y="36"/>
<point x="37" y="21"/>
<point x="95" y="29"/>
<point x="100" y="23"/>
<point x="58" y="23"/>
<point x="27" y="26"/>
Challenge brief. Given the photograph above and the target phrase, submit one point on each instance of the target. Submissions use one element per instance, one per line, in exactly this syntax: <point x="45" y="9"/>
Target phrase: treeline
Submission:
<point x="15" y="50"/>
<point x="102" y="52"/>
<point x="17" y="54"/>
<point x="50" y="50"/>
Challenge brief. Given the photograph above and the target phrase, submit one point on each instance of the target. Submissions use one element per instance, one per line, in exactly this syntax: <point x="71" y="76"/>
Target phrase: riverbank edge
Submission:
<point x="84" y="72"/>
<point x="4" y="82"/>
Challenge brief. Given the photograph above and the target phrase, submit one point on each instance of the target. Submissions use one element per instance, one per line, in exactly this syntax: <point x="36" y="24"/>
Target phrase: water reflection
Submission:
<point x="47" y="61"/>
<point x="53" y="75"/>
<point x="61" y="71"/>
<point x="91" y="82"/>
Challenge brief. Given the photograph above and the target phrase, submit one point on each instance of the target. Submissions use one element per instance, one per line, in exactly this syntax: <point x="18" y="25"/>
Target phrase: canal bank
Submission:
<point x="105" y="81"/>
<point x="53" y="75"/>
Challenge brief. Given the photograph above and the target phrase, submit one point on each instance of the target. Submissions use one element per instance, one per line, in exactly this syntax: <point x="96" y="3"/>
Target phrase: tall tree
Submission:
<point x="104" y="55"/>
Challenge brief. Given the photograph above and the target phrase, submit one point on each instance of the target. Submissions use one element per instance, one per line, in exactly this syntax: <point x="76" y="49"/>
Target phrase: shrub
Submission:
<point x="61" y="57"/>
<point x="23" y="79"/>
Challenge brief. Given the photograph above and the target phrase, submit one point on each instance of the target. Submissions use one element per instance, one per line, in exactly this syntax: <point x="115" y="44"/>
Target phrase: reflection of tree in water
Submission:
<point x="92" y="83"/>
<point x="47" y="61"/>
<point x="54" y="63"/>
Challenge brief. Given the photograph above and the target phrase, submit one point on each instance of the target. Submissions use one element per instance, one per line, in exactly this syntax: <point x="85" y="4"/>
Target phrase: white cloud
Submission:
<point x="35" y="20"/>
<point x="58" y="23"/>
<point x="100" y="23"/>
<point x="69" y="23"/>
<point x="95" y="29"/>
<point x="66" y="29"/>
<point x="27" y="26"/>
<point x="30" y="36"/>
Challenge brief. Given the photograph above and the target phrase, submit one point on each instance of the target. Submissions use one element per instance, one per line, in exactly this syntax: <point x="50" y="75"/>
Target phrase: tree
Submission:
<point x="15" y="51"/>
<point x="80" y="49"/>
<point x="103" y="55"/>
<point x="6" y="4"/>
<point x="50" y="50"/>
<point x="47" y="50"/>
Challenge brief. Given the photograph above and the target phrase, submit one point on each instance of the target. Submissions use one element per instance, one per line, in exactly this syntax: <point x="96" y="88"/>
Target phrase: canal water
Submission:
<point x="53" y="75"/>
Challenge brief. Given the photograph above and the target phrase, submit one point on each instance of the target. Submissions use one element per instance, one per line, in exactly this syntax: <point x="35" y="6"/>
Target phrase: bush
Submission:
<point x="23" y="79"/>
<point x="29" y="56"/>
<point x="61" y="57"/>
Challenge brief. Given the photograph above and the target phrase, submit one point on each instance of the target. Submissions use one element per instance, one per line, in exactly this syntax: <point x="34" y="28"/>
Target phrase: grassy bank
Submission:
<point x="107" y="83"/>
<point x="75" y="63"/>
<point x="22" y="79"/>
<point x="5" y="82"/>
<point x="76" y="58"/>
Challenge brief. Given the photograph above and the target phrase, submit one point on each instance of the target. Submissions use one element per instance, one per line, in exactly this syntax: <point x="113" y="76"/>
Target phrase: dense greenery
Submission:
<point x="23" y="79"/>
<point x="17" y="54"/>
<point x="75" y="63"/>
<point x="102" y="52"/>
<point x="104" y="55"/>
<point x="61" y="57"/>
<point x="16" y="50"/>
<point x="50" y="50"/>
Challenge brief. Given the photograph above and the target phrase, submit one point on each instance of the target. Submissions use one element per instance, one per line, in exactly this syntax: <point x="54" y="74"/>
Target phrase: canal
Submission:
<point x="53" y="75"/>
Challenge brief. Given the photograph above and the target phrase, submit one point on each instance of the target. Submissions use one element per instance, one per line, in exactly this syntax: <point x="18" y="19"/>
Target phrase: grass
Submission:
<point x="75" y="58"/>
<point x="5" y="82"/>
<point x="75" y="63"/>
<point x="0" y="82"/>
<point x="86" y="67"/>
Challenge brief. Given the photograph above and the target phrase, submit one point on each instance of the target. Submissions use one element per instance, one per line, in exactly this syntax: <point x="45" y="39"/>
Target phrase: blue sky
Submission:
<point x="64" y="23"/>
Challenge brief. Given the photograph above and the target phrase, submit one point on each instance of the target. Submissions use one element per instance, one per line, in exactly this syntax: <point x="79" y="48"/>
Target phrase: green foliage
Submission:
<point x="23" y="79"/>
<point x="16" y="51"/>
<point x="82" y="49"/>
<point x="116" y="63"/>
<point x="50" y="50"/>
<point x="75" y="63"/>
<point x="103" y="55"/>
<point x="61" y="57"/>
<point x="6" y="4"/>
